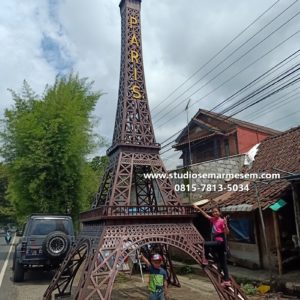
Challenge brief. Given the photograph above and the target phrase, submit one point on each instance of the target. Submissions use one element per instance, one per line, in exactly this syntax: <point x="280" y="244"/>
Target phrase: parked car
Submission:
<point x="45" y="242"/>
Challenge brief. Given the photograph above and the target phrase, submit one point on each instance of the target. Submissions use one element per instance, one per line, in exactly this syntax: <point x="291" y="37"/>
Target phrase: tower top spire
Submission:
<point x="122" y="2"/>
<point x="133" y="125"/>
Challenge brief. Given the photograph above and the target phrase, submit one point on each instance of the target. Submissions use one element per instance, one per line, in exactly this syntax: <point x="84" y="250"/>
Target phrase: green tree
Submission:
<point x="99" y="164"/>
<point x="45" y="142"/>
<point x="6" y="209"/>
<point x="96" y="169"/>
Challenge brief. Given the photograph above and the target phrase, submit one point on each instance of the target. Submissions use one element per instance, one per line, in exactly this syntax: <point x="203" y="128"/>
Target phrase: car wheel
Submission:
<point x="56" y="244"/>
<point x="18" y="272"/>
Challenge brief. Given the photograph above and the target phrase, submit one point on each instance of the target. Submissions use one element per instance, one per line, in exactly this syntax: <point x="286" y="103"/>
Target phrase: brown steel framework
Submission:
<point x="131" y="210"/>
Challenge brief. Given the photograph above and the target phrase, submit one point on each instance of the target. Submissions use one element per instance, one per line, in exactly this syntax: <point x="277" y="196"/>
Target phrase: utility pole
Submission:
<point x="263" y="227"/>
<point x="188" y="133"/>
<point x="188" y="130"/>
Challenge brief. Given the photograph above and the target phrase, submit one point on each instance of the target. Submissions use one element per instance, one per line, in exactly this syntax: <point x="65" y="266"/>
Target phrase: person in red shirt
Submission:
<point x="217" y="247"/>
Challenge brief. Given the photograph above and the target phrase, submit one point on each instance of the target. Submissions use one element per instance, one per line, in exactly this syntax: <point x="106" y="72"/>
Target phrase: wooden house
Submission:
<point x="210" y="136"/>
<point x="278" y="246"/>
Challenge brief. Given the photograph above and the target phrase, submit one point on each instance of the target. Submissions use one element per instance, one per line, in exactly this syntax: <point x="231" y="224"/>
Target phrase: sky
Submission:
<point x="181" y="42"/>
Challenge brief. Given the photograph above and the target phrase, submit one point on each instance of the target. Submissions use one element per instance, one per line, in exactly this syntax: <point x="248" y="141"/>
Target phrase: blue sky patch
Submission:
<point x="55" y="55"/>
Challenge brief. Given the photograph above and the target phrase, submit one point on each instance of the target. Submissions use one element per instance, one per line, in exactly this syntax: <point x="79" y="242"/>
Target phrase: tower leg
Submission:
<point x="105" y="258"/>
<point x="63" y="279"/>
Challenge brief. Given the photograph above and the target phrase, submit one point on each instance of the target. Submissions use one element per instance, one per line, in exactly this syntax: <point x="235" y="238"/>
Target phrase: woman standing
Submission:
<point x="217" y="247"/>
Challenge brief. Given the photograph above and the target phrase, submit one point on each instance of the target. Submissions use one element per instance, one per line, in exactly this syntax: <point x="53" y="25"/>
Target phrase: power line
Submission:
<point x="219" y="52"/>
<point x="171" y="136"/>
<point x="256" y="80"/>
<point x="259" y="78"/>
<point x="249" y="65"/>
<point x="166" y="151"/>
<point x="280" y="102"/>
<point x="291" y="99"/>
<point x="283" y="86"/>
<point x="226" y="58"/>
<point x="269" y="95"/>
<point x="234" y="62"/>
<point x="286" y="116"/>
<point x="281" y="43"/>
<point x="283" y="101"/>
<point x="263" y="88"/>
<point x="167" y="144"/>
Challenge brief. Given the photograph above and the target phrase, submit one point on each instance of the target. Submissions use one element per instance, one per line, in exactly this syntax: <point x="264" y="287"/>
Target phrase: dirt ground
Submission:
<point x="192" y="287"/>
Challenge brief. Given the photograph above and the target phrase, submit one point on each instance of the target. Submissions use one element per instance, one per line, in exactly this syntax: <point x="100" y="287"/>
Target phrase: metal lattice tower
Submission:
<point x="131" y="211"/>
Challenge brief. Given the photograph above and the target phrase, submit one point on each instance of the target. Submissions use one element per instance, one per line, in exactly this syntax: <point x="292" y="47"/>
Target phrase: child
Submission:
<point x="158" y="277"/>
<point x="218" y="243"/>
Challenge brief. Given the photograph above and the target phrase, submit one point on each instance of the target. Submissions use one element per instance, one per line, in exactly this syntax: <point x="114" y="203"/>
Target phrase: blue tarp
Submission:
<point x="242" y="230"/>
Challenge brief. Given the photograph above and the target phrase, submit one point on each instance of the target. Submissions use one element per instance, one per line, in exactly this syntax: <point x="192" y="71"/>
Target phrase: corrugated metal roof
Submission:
<point x="237" y="208"/>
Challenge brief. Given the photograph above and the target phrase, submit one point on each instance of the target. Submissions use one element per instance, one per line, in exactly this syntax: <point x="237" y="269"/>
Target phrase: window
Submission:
<point x="45" y="226"/>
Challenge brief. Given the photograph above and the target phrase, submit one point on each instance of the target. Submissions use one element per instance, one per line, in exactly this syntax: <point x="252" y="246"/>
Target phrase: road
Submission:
<point x="31" y="289"/>
<point x="5" y="265"/>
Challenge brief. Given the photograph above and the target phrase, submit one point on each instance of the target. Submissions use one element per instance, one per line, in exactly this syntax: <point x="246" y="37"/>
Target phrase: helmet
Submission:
<point x="156" y="257"/>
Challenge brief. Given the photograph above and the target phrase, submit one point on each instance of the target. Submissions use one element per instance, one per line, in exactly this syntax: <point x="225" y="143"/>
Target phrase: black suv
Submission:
<point x="45" y="242"/>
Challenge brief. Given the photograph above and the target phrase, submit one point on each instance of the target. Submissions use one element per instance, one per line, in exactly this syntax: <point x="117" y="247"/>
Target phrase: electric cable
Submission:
<point x="259" y="78"/>
<point x="256" y="102"/>
<point x="261" y="89"/>
<point x="255" y="61"/>
<point x="219" y="52"/>
<point x="278" y="65"/>
<point x="284" y="117"/>
<point x="234" y="62"/>
<point x="291" y="99"/>
<point x="275" y="105"/>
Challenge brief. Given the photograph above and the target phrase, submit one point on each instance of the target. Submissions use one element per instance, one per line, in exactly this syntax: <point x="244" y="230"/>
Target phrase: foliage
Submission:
<point x="45" y="142"/>
<point x="186" y="269"/>
<point x="93" y="173"/>
<point x="99" y="164"/>
<point x="6" y="209"/>
<point x="249" y="289"/>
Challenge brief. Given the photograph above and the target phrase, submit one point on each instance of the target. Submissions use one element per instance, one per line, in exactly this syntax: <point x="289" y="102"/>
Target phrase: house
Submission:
<point x="210" y="136"/>
<point x="273" y="204"/>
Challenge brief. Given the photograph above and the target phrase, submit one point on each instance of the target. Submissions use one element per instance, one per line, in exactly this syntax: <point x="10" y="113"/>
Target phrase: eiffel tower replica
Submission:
<point x="130" y="210"/>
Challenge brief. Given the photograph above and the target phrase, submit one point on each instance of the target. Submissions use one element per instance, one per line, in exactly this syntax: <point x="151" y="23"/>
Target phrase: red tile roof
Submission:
<point x="280" y="152"/>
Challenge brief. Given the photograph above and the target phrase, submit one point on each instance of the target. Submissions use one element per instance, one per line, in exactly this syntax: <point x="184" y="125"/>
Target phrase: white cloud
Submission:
<point x="21" y="56"/>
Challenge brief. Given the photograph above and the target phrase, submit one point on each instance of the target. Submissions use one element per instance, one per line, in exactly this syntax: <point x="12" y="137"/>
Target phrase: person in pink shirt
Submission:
<point x="217" y="247"/>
